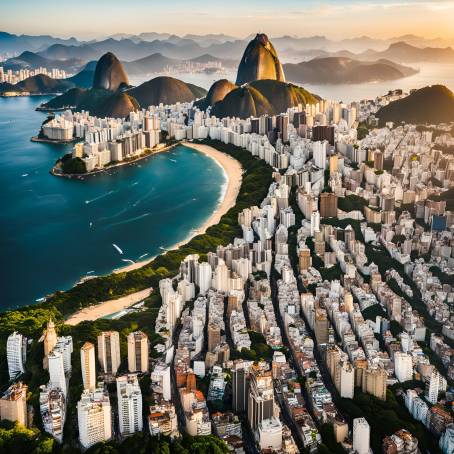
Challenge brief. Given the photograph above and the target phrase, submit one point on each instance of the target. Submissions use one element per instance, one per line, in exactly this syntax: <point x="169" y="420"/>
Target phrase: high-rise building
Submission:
<point x="129" y="398"/>
<point x="94" y="417"/>
<point x="321" y="326"/>
<point x="214" y="336"/>
<point x="304" y="257"/>
<point x="88" y="366"/>
<point x="361" y="436"/>
<point x="137" y="352"/>
<point x="50" y="338"/>
<point x="374" y="382"/>
<point x="57" y="378"/>
<point x="328" y="205"/>
<point x="319" y="153"/>
<point x="261" y="397"/>
<point x="160" y="380"/>
<point x="437" y="383"/>
<point x="16" y="353"/>
<point x="13" y="404"/>
<point x="109" y="351"/>
<point x="270" y="434"/>
<point x="204" y="277"/>
<point x="403" y="366"/>
<point x="239" y="388"/>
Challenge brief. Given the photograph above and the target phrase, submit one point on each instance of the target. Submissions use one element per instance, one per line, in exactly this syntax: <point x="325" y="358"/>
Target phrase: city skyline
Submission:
<point x="432" y="19"/>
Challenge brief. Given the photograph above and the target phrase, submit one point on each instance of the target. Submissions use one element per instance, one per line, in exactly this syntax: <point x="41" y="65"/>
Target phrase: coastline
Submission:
<point x="53" y="171"/>
<point x="233" y="172"/>
<point x="106" y="308"/>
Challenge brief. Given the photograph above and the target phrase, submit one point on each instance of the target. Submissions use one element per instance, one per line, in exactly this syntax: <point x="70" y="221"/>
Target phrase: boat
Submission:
<point x="90" y="272"/>
<point x="117" y="248"/>
<point x="25" y="174"/>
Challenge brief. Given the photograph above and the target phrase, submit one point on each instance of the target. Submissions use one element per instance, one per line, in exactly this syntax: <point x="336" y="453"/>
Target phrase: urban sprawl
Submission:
<point x="269" y="332"/>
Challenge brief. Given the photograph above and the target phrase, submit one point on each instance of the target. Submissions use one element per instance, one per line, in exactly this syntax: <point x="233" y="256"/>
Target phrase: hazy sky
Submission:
<point x="341" y="18"/>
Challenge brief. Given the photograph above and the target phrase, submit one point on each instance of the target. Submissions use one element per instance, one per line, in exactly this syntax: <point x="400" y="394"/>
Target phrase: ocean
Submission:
<point x="53" y="231"/>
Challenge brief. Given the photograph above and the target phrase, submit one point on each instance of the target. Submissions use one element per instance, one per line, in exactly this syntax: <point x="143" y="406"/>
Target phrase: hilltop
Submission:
<point x="433" y="104"/>
<point x="262" y="97"/>
<point x="260" y="61"/>
<point x="110" y="73"/>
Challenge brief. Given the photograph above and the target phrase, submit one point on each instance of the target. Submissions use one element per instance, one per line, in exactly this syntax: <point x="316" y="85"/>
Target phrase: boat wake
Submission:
<point x="117" y="248"/>
<point x="127" y="221"/>
<point x="99" y="197"/>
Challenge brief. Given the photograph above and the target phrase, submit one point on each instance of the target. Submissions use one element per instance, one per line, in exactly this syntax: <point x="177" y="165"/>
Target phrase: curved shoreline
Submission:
<point x="233" y="172"/>
<point x="80" y="176"/>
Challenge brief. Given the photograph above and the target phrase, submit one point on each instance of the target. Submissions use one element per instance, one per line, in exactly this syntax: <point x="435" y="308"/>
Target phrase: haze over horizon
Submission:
<point x="385" y="19"/>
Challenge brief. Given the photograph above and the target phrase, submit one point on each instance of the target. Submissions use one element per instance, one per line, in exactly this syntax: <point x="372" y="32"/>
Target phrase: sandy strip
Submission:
<point x="233" y="173"/>
<point x="107" y="307"/>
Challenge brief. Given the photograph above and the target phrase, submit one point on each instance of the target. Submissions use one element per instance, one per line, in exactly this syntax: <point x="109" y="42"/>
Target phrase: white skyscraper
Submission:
<point x="129" y="399"/>
<point x="315" y="222"/>
<point x="319" y="153"/>
<point x="88" y="366"/>
<point x="221" y="277"/>
<point x="437" y="383"/>
<point x="57" y="378"/>
<point x="16" y="354"/>
<point x="204" y="277"/>
<point x="94" y="417"/>
<point x="403" y="366"/>
<point x="361" y="436"/>
<point x="109" y="351"/>
<point x="160" y="380"/>
<point x="65" y="347"/>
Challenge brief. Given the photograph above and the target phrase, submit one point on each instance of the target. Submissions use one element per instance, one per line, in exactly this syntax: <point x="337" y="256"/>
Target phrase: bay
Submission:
<point x="53" y="231"/>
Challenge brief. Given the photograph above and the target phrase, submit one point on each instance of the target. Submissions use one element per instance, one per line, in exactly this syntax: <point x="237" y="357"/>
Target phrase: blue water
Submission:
<point x="46" y="242"/>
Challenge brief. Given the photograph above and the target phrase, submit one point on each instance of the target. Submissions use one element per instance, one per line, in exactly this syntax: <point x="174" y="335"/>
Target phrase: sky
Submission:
<point x="89" y="19"/>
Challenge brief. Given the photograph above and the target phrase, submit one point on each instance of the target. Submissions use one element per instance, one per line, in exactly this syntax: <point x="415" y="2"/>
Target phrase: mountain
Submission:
<point x="15" y="44"/>
<point x="208" y="58"/>
<point x="262" y="97"/>
<point x="31" y="60"/>
<point x="39" y="84"/>
<point x="152" y="64"/>
<point x="99" y="102"/>
<point x="64" y="52"/>
<point x="110" y="73"/>
<point x="217" y="92"/>
<point x="260" y="61"/>
<point x="433" y="104"/>
<point x="165" y="90"/>
<point x="340" y="70"/>
<point x="84" y="78"/>
<point x="403" y="52"/>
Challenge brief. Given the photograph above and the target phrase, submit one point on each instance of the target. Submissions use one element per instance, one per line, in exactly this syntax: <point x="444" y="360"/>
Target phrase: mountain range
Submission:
<point x="133" y="47"/>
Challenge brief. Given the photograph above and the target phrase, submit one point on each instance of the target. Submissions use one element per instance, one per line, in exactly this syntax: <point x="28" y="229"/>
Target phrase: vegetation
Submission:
<point x="70" y="165"/>
<point x="17" y="439"/>
<point x="352" y="202"/>
<point x="31" y="320"/>
<point x="386" y="417"/>
<point x="433" y="104"/>
<point x="362" y="131"/>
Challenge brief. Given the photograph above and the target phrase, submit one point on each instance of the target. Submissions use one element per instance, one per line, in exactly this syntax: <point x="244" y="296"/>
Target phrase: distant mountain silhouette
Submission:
<point x="31" y="60"/>
<point x="433" y="104"/>
<point x="110" y="73"/>
<point x="340" y="70"/>
<point x="260" y="61"/>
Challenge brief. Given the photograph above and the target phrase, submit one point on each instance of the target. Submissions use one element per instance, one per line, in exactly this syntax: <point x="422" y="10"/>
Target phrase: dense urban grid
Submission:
<point x="327" y="326"/>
